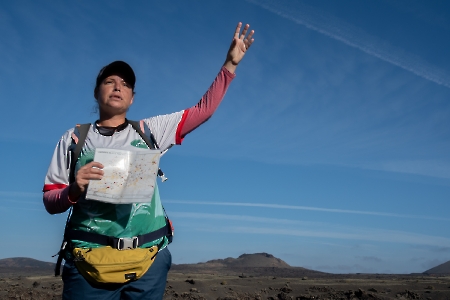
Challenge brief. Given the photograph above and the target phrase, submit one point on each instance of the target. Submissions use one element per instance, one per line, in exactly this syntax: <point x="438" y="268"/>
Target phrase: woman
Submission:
<point x="114" y="93"/>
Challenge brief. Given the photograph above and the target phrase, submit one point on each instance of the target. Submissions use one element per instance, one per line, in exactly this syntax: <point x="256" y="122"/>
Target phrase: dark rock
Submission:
<point x="283" y="296"/>
<point x="408" y="295"/>
<point x="191" y="281"/>
<point x="349" y="294"/>
<point x="360" y="293"/>
<point x="286" y="289"/>
<point x="303" y="297"/>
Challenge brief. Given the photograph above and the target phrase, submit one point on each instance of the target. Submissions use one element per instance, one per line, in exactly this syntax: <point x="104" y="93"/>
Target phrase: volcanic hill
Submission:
<point x="25" y="266"/>
<point x="258" y="264"/>
<point x="442" y="269"/>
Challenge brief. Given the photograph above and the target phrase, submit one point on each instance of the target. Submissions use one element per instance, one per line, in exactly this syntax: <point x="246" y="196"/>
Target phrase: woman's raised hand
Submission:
<point x="239" y="46"/>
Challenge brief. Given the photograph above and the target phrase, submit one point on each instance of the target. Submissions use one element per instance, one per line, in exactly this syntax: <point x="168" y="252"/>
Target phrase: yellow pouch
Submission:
<point x="109" y="265"/>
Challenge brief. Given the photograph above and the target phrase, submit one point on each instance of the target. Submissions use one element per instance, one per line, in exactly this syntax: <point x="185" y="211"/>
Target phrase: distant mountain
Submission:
<point x="441" y="269"/>
<point x="25" y="265"/>
<point x="25" y="262"/>
<point x="256" y="260"/>
<point x="257" y="264"/>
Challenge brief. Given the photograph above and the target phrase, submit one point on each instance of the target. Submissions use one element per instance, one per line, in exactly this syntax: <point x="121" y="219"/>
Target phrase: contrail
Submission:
<point x="311" y="208"/>
<point x="375" y="236"/>
<point x="312" y="229"/>
<point x="350" y="35"/>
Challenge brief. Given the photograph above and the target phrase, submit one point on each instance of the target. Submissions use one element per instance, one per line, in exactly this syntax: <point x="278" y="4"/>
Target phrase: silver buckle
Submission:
<point x="127" y="243"/>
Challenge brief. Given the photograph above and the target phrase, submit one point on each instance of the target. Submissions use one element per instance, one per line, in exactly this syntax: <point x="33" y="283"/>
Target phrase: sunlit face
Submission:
<point x="114" y="95"/>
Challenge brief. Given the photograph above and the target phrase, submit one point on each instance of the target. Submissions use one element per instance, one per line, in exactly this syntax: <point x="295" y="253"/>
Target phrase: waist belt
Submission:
<point x="114" y="242"/>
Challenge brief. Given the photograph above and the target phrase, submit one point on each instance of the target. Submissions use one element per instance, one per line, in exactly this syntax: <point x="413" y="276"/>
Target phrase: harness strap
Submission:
<point x="83" y="130"/>
<point x="78" y="138"/>
<point x="117" y="243"/>
<point x="60" y="258"/>
<point x="140" y="128"/>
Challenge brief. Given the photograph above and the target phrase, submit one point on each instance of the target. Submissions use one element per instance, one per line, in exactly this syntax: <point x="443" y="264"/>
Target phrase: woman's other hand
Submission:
<point x="90" y="171"/>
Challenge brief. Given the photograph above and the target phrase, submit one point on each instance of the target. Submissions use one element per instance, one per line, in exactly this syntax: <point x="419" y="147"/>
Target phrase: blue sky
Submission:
<point x="331" y="149"/>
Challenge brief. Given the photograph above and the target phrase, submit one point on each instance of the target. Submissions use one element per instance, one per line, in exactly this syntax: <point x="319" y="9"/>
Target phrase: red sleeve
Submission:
<point x="57" y="200"/>
<point x="204" y="109"/>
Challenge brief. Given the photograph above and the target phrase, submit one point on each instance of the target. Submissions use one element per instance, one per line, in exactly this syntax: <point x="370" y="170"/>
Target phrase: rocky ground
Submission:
<point x="234" y="287"/>
<point x="249" y="277"/>
<point x="198" y="286"/>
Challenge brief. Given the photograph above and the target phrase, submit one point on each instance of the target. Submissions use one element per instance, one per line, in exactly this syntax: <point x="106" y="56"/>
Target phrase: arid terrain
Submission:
<point x="250" y="276"/>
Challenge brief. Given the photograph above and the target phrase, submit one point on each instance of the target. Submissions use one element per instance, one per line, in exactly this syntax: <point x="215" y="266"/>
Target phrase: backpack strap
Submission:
<point x="140" y="128"/>
<point x="79" y="140"/>
<point x="78" y="137"/>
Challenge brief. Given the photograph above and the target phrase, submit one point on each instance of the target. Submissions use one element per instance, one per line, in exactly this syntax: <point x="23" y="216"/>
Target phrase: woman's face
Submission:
<point x="114" y="95"/>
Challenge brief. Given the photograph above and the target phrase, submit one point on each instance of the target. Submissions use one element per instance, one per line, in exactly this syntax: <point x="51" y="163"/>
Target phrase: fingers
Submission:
<point x="244" y="32"/>
<point x="250" y="35"/>
<point x="92" y="170"/>
<point x="242" y="36"/>
<point x="238" y="29"/>
<point x="95" y="165"/>
<point x="249" y="40"/>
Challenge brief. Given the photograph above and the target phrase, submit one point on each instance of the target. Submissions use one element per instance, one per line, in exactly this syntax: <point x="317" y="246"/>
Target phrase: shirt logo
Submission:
<point x="139" y="144"/>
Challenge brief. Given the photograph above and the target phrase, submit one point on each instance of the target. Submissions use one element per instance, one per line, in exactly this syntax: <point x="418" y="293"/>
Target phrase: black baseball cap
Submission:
<point x="117" y="67"/>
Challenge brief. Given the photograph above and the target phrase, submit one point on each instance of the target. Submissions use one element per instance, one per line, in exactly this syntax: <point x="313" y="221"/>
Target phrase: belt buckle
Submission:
<point x="127" y="243"/>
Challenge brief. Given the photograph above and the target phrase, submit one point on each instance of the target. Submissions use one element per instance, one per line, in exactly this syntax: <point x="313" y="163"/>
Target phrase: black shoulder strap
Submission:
<point x="83" y="130"/>
<point x="151" y="142"/>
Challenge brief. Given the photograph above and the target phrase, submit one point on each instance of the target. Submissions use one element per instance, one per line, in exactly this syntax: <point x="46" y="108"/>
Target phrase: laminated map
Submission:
<point x="129" y="176"/>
